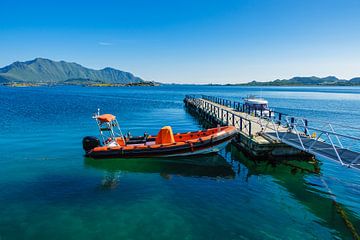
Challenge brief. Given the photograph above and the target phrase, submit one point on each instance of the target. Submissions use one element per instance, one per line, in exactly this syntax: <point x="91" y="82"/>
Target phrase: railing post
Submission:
<point x="241" y="125"/>
<point x="306" y="125"/>
<point x="249" y="128"/>
<point x="227" y="117"/>
<point x="233" y="120"/>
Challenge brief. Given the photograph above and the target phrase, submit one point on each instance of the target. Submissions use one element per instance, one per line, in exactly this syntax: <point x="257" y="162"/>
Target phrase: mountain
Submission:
<point x="45" y="71"/>
<point x="355" y="81"/>
<point x="308" y="81"/>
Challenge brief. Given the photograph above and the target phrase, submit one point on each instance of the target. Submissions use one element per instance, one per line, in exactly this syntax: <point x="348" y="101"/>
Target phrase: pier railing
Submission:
<point x="241" y="107"/>
<point x="221" y="115"/>
<point x="323" y="140"/>
<point x="320" y="140"/>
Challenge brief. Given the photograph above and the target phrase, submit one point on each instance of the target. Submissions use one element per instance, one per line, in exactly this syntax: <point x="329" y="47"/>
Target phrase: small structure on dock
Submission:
<point x="273" y="134"/>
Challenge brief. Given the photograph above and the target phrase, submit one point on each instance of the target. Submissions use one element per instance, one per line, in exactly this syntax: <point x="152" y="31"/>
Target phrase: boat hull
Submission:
<point x="188" y="148"/>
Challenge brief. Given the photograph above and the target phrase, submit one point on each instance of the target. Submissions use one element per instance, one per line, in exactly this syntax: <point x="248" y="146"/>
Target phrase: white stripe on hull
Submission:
<point x="202" y="151"/>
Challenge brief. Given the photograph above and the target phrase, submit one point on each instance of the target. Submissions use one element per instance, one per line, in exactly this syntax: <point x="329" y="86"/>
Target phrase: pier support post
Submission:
<point x="222" y="115"/>
<point x="249" y="128"/>
<point x="227" y="117"/>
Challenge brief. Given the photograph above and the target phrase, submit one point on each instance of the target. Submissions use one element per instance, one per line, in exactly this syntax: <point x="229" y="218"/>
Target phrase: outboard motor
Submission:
<point x="90" y="143"/>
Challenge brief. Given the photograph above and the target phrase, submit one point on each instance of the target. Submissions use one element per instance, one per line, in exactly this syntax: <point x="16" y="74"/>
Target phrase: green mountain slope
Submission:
<point x="45" y="71"/>
<point x="308" y="81"/>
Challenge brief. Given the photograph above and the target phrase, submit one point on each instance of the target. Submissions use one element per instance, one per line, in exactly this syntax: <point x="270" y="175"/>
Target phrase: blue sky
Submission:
<point x="189" y="41"/>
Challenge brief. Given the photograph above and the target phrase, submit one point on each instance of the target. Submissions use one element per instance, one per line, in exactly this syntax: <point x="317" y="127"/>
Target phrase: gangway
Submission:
<point x="321" y="141"/>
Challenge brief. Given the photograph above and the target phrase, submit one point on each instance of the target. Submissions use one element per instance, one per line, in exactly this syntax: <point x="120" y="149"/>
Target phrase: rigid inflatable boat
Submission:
<point x="165" y="144"/>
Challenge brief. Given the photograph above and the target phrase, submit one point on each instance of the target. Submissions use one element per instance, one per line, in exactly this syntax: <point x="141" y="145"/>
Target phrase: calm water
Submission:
<point x="50" y="191"/>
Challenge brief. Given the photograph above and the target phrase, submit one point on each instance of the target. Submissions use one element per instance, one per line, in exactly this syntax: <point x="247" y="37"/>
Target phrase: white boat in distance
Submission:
<point x="257" y="105"/>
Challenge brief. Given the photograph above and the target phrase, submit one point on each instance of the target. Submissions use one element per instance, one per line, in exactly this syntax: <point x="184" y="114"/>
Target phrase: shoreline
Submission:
<point x="151" y="84"/>
<point x="19" y="85"/>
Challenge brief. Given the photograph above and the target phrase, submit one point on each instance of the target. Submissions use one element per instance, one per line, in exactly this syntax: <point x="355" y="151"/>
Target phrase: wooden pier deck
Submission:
<point x="251" y="137"/>
<point x="268" y="136"/>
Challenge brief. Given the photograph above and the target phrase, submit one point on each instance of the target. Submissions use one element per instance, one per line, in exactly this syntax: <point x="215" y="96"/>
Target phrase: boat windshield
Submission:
<point x="260" y="106"/>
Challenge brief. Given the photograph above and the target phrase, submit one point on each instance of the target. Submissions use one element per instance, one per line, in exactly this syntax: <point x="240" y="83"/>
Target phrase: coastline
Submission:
<point x="145" y="84"/>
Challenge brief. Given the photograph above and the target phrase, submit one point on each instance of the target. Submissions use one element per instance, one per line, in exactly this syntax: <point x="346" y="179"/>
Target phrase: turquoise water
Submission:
<point x="50" y="191"/>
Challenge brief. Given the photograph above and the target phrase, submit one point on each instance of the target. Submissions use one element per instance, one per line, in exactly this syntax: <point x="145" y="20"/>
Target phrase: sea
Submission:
<point x="49" y="190"/>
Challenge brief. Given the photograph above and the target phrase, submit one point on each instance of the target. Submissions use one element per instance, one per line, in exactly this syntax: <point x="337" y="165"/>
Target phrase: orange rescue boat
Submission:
<point x="165" y="144"/>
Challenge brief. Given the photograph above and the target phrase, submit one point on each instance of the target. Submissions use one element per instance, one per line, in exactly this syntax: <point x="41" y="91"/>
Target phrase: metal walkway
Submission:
<point x="322" y="142"/>
<point x="320" y="148"/>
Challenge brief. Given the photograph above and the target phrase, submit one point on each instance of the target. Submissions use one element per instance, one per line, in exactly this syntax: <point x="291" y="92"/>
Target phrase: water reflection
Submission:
<point x="213" y="166"/>
<point x="298" y="178"/>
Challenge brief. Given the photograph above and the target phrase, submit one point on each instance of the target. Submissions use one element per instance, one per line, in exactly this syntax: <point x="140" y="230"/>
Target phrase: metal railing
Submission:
<point x="291" y="130"/>
<point x="241" y="107"/>
<point x="221" y="115"/>
<point x="324" y="141"/>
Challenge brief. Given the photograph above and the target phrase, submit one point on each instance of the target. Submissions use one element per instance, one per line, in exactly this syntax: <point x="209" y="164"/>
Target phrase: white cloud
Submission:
<point x="105" y="43"/>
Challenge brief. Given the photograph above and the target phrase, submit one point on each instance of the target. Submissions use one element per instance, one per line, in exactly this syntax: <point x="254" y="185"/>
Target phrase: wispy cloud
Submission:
<point x="105" y="43"/>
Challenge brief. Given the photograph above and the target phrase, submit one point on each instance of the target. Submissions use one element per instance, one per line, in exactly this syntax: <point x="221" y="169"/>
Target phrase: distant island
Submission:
<point x="46" y="72"/>
<point x="43" y="72"/>
<point x="305" y="81"/>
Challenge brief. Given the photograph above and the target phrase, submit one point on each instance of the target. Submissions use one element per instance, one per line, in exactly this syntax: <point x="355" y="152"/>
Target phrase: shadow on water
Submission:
<point x="296" y="176"/>
<point x="213" y="166"/>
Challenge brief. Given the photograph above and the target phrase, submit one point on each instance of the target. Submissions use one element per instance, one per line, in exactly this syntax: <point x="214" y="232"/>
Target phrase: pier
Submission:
<point x="273" y="134"/>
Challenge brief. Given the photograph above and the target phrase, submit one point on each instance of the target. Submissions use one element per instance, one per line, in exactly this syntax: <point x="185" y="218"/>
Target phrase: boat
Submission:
<point x="256" y="105"/>
<point x="114" y="144"/>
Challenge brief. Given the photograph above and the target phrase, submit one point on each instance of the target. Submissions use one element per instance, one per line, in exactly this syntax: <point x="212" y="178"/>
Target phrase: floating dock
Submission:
<point x="272" y="135"/>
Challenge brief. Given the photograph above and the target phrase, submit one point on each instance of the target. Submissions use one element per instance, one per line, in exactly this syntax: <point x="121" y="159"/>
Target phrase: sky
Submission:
<point x="189" y="41"/>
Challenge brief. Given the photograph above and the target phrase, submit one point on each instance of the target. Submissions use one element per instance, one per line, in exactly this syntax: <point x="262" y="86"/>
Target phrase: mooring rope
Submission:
<point x="341" y="212"/>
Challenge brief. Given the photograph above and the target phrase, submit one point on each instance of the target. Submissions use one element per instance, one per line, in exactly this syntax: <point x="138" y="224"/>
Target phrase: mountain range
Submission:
<point x="308" y="81"/>
<point x="41" y="71"/>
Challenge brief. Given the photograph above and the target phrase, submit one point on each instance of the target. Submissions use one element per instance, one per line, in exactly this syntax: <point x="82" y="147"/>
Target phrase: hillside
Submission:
<point x="308" y="81"/>
<point x="44" y="71"/>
